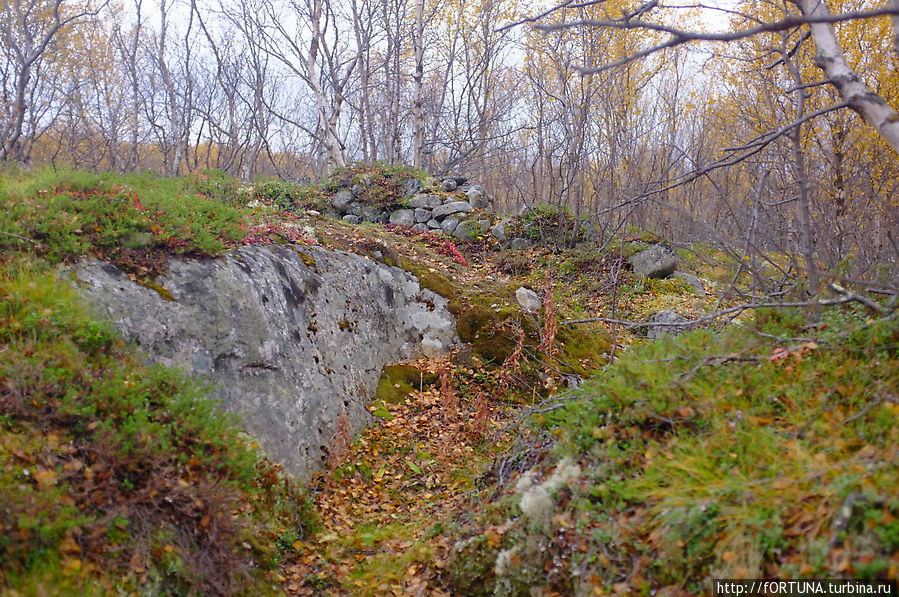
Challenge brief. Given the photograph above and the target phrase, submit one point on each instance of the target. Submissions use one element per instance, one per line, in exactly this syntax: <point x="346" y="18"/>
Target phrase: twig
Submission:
<point x="29" y="240"/>
<point x="848" y="296"/>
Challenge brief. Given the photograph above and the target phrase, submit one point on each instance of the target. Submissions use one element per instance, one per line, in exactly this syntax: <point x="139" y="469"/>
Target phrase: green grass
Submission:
<point x="116" y="475"/>
<point x="132" y="220"/>
<point x="712" y="455"/>
<point x="139" y="221"/>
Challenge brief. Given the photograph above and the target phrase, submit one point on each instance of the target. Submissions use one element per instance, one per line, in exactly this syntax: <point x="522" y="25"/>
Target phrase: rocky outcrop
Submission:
<point x="291" y="337"/>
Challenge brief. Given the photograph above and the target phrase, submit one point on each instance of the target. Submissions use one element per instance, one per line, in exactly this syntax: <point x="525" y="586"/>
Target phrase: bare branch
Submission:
<point x="681" y="36"/>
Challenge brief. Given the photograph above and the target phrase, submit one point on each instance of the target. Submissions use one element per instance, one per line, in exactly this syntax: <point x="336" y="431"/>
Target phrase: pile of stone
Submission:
<point x="660" y="261"/>
<point x="451" y="206"/>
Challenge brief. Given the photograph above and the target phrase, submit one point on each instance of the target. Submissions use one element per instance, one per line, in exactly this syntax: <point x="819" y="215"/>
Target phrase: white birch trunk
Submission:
<point x="870" y="106"/>
<point x="418" y="124"/>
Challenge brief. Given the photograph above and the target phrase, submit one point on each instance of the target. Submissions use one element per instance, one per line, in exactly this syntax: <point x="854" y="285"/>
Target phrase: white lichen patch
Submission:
<point x="537" y="502"/>
<point x="503" y="564"/>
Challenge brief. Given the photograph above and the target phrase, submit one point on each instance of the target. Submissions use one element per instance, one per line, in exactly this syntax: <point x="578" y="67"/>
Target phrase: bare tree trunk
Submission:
<point x="804" y="213"/>
<point x="418" y="124"/>
<point x="363" y="46"/>
<point x="331" y="142"/>
<point x="870" y="106"/>
<point x="172" y="166"/>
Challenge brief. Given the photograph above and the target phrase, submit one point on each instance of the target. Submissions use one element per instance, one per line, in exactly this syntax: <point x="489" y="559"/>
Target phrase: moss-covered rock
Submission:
<point x="398" y="381"/>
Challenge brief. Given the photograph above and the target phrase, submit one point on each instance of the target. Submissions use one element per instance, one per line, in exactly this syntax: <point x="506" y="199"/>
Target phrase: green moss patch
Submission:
<point x="398" y="381"/>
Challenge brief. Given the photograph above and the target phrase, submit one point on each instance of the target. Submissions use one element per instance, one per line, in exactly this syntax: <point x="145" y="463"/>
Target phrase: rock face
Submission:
<point x="470" y="229"/>
<point x="425" y="201"/>
<point x="499" y="230"/>
<point x="290" y="337"/>
<point x="658" y="261"/>
<point x="410" y="187"/>
<point x="476" y="198"/>
<point x="666" y="322"/>
<point x="342" y="200"/>
<point x="403" y="217"/>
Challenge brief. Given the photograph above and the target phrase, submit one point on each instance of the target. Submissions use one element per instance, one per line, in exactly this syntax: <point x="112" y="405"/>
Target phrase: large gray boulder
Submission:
<point x="471" y="229"/>
<point x="403" y="217"/>
<point x="422" y="214"/>
<point x="448" y="226"/>
<point x="693" y="281"/>
<point x="658" y="261"/>
<point x="342" y="200"/>
<point x="499" y="230"/>
<point x="454" y="207"/>
<point x="411" y="187"/>
<point x="666" y="322"/>
<point x="426" y="201"/>
<point x="289" y="337"/>
<point x="477" y="198"/>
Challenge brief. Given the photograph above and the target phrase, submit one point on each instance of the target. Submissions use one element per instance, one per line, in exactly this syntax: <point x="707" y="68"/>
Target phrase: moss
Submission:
<point x="379" y="251"/>
<point x="584" y="347"/>
<point x="432" y="280"/>
<point x="471" y="567"/>
<point x="398" y="381"/>
<point x="309" y="260"/>
<point x="161" y="290"/>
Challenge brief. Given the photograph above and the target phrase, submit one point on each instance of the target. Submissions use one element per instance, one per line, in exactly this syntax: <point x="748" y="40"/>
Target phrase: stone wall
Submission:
<point x="450" y="206"/>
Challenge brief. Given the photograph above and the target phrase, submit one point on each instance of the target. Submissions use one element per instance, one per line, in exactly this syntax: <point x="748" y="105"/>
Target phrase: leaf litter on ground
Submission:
<point x="406" y="478"/>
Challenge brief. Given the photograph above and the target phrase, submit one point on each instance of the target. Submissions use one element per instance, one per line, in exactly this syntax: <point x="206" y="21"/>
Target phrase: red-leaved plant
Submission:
<point x="481" y="415"/>
<point x="448" y="393"/>
<point x="550" y="325"/>
<point x="339" y="446"/>
<point x="511" y="368"/>
<point x="443" y="246"/>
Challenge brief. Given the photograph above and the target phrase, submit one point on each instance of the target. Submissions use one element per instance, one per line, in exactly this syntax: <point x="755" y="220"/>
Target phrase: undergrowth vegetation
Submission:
<point x="138" y="221"/>
<point x="549" y="226"/>
<point x="116" y="475"/>
<point x="714" y="455"/>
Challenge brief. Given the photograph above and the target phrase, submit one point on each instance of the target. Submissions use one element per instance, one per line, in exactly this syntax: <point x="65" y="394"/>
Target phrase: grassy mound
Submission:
<point x="139" y="221"/>
<point x="709" y="455"/>
<point x="116" y="475"/>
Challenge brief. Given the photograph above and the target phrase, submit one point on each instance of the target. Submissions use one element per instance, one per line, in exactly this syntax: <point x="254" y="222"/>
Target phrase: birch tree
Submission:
<point x="28" y="29"/>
